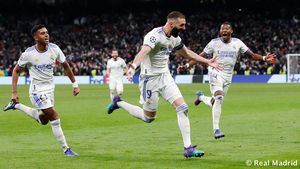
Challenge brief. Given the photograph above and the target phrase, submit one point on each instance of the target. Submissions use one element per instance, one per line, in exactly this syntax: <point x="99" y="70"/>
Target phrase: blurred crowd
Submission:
<point x="87" y="40"/>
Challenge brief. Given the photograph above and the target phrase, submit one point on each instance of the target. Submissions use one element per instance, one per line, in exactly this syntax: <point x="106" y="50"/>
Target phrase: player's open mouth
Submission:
<point x="224" y="34"/>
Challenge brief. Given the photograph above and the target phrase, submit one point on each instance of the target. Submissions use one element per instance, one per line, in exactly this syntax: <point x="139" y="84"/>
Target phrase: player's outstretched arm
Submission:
<point x="192" y="55"/>
<point x="190" y="63"/>
<point x="70" y="74"/>
<point x="269" y="58"/>
<point x="107" y="71"/>
<point x="15" y="78"/>
<point x="137" y="61"/>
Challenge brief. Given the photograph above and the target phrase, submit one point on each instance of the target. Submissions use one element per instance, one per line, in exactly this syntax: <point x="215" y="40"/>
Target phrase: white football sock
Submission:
<point x="206" y="100"/>
<point x="216" y="114"/>
<point x="112" y="95"/>
<point x="184" y="124"/>
<point x="135" y="111"/>
<point x="33" y="113"/>
<point x="58" y="134"/>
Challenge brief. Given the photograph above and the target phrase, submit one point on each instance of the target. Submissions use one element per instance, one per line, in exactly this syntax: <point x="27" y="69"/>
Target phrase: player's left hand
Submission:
<point x="130" y="74"/>
<point x="76" y="91"/>
<point x="215" y="64"/>
<point x="181" y="68"/>
<point x="271" y="58"/>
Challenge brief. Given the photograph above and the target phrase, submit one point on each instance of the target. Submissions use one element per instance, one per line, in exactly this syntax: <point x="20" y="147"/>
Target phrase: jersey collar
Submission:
<point x="47" y="47"/>
<point x="225" y="42"/>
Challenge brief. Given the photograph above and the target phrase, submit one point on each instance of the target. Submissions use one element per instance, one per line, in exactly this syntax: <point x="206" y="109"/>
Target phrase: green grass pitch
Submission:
<point x="261" y="122"/>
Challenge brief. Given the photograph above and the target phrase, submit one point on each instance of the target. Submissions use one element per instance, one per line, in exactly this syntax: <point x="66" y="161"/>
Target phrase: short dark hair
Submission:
<point x="227" y="23"/>
<point x="175" y="15"/>
<point x="36" y="28"/>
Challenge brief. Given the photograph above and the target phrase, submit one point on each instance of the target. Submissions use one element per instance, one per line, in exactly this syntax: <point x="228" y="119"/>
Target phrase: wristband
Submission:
<point x="264" y="58"/>
<point x="187" y="65"/>
<point x="74" y="84"/>
<point x="133" y="66"/>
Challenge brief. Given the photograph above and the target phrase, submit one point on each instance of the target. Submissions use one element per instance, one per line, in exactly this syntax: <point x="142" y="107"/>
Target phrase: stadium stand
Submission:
<point x="87" y="38"/>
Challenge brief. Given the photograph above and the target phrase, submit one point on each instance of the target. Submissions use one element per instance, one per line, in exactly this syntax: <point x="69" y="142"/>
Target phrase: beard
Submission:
<point x="175" y="32"/>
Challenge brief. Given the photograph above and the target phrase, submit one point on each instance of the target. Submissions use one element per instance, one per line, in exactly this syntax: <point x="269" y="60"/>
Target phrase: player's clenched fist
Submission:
<point x="76" y="88"/>
<point x="131" y="72"/>
<point x="76" y="91"/>
<point x="271" y="58"/>
<point x="181" y="68"/>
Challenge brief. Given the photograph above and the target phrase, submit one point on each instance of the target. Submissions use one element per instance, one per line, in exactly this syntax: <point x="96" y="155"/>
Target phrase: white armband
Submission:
<point x="74" y="84"/>
<point x="133" y="66"/>
<point x="187" y="65"/>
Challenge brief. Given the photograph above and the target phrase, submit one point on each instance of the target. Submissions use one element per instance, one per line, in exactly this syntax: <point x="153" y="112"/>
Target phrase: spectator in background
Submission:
<point x="86" y="40"/>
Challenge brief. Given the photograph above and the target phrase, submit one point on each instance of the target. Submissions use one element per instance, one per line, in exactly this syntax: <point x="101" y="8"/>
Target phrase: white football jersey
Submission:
<point x="226" y="53"/>
<point x="41" y="64"/>
<point x="156" y="62"/>
<point x="116" y="68"/>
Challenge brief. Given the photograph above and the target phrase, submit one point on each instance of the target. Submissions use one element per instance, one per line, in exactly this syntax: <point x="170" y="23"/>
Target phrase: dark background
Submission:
<point x="87" y="30"/>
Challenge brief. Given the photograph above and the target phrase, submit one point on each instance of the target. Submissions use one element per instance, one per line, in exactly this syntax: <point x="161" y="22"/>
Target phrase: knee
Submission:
<point x="50" y="114"/>
<point x="43" y="119"/>
<point x="219" y="98"/>
<point x="53" y="117"/>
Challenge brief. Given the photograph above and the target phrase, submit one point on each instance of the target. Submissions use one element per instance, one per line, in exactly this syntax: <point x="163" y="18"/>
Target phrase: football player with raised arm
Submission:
<point x="226" y="50"/>
<point x="156" y="80"/>
<point x="40" y="59"/>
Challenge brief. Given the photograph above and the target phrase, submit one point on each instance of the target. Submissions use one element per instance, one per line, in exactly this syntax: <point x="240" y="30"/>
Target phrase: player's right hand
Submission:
<point x="15" y="97"/>
<point x="180" y="69"/>
<point x="76" y="91"/>
<point x="215" y="64"/>
<point x="130" y="74"/>
<point x="271" y="58"/>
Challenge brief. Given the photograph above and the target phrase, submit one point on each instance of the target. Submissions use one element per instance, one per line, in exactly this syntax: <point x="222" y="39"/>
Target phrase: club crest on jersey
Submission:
<point x="152" y="39"/>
